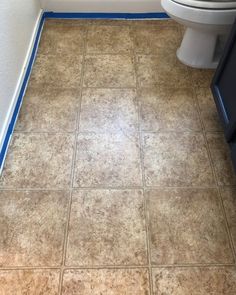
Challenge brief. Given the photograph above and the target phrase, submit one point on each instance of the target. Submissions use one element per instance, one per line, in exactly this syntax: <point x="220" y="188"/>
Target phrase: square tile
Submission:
<point x="187" y="226"/>
<point x="221" y="158"/>
<point x="108" y="228"/>
<point x="161" y="69"/>
<point x="106" y="282"/>
<point x="27" y="282"/>
<point x="41" y="160"/>
<point x="29" y="233"/>
<point x="61" y="39"/>
<point x="107" y="160"/>
<point x="229" y="201"/>
<point x="109" y="71"/>
<point x="48" y="109"/>
<point x="195" y="281"/>
<point x="176" y="159"/>
<point x="201" y="77"/>
<point x="209" y="114"/>
<point x="168" y="109"/>
<point x="147" y="39"/>
<point x="109" y="39"/>
<point x="109" y="110"/>
<point x="57" y="71"/>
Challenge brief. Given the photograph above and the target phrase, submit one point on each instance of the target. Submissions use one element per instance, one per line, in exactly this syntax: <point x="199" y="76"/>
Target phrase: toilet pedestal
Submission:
<point x="198" y="49"/>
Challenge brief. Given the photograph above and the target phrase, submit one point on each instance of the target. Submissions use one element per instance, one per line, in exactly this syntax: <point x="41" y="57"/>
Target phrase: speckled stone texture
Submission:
<point x="107" y="160"/>
<point x="176" y="159"/>
<point x="35" y="282"/>
<point x="117" y="180"/>
<point x="29" y="233"/>
<point x="102" y="281"/>
<point x="187" y="226"/>
<point x="195" y="281"/>
<point x="108" y="226"/>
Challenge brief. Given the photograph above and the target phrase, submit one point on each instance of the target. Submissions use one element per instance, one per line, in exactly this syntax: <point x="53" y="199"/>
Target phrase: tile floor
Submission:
<point x="117" y="180"/>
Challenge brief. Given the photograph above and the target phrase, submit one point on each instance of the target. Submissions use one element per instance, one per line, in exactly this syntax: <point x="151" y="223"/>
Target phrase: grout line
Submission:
<point x="204" y="132"/>
<point x="145" y="188"/>
<point x="145" y="266"/>
<point x="148" y="248"/>
<point x="73" y="166"/>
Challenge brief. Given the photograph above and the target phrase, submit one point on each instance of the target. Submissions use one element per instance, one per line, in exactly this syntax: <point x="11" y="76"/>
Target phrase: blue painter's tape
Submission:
<point x="98" y="15"/>
<point x="21" y="94"/>
<point x="65" y="15"/>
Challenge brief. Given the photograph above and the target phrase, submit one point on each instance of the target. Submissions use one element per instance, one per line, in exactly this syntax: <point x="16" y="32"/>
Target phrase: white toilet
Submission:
<point x="207" y="25"/>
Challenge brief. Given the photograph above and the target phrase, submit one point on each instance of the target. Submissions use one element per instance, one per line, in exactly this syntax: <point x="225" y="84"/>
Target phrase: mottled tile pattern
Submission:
<point x="221" y="158"/>
<point x="60" y="39"/>
<point x="118" y="167"/>
<point x="187" y="226"/>
<point x="201" y="78"/>
<point x="109" y="110"/>
<point x="148" y="39"/>
<point x="209" y="115"/>
<point x="109" y="71"/>
<point x="57" y="71"/>
<point x="29" y="233"/>
<point x="49" y="109"/>
<point x="170" y="74"/>
<point x="38" y="160"/>
<point x="108" y="227"/>
<point x="106" y="282"/>
<point x="107" y="160"/>
<point x="176" y="159"/>
<point x="168" y="109"/>
<point x="27" y="282"/>
<point x="195" y="281"/>
<point x="229" y="201"/>
<point x="109" y="39"/>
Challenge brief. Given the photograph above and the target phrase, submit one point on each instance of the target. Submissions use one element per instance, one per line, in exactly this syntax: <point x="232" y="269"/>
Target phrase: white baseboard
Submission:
<point x="125" y="6"/>
<point x="4" y="136"/>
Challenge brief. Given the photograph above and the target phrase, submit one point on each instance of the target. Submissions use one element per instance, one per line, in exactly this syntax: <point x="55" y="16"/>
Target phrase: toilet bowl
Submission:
<point x="207" y="25"/>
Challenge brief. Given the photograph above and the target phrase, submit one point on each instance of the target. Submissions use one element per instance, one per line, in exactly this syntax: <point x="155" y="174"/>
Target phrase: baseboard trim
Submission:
<point x="20" y="93"/>
<point x="23" y="85"/>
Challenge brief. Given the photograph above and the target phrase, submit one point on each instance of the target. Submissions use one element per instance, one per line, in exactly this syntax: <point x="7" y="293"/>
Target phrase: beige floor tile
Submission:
<point x="109" y="110"/>
<point x="61" y="39"/>
<point x="194" y="281"/>
<point x="107" y="160"/>
<point x="210" y="117"/>
<point x="168" y="109"/>
<point x="109" y="71"/>
<point x="147" y="39"/>
<point x="106" y="282"/>
<point x="201" y="78"/>
<point x="109" y="39"/>
<point x="187" y="226"/>
<point x="48" y="109"/>
<point x="32" y="226"/>
<point x="170" y="72"/>
<point x="229" y="201"/>
<point x="107" y="227"/>
<point x="27" y="282"/>
<point x="176" y="159"/>
<point x="115" y="22"/>
<point x="38" y="161"/>
<point x="57" y="71"/>
<point x="221" y="158"/>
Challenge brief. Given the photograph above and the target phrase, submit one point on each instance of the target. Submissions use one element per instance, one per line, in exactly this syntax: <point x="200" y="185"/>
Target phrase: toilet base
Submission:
<point x="198" y="49"/>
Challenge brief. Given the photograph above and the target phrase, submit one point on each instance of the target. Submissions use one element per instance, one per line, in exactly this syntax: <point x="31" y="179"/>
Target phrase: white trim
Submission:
<point x="10" y="112"/>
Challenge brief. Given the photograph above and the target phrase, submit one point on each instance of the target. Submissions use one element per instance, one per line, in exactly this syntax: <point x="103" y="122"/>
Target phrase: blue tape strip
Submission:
<point x="68" y="15"/>
<point x="98" y="15"/>
<point x="21" y="94"/>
